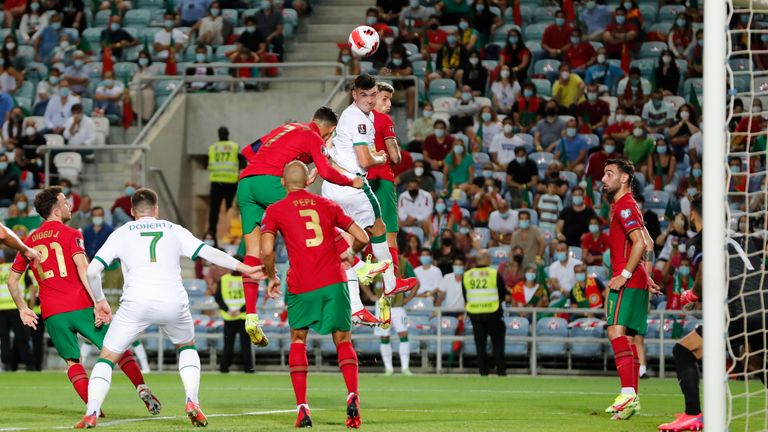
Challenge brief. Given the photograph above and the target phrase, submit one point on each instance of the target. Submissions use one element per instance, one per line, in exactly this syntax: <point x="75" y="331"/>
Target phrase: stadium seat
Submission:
<point x="662" y="28"/>
<point x="24" y="103"/>
<point x="546" y="66"/>
<point x="528" y="141"/>
<point x="444" y="103"/>
<point x="544" y="15"/>
<point x="740" y="64"/>
<point x="675" y="101"/>
<point x="517" y="327"/>
<point x="592" y="140"/>
<point x="668" y="13"/>
<point x="485" y="235"/>
<point x="93" y="36"/>
<point x="483" y="101"/>
<point x="598" y="272"/>
<point x="490" y="64"/>
<point x="419" y="68"/>
<point x="552" y="327"/>
<point x="417" y="231"/>
<point x="690" y="324"/>
<point x="543" y="87"/>
<point x="647" y="67"/>
<point x="534" y="32"/>
<point x="480" y="159"/>
<point x="439" y="179"/>
<point x="136" y="18"/>
<point x="574" y="252"/>
<point x="448" y="329"/>
<point x="87" y="104"/>
<point x="652" y="50"/>
<point x="102" y="18"/>
<point x="54" y="140"/>
<point x="649" y="14"/>
<point x="94" y="70"/>
<point x="195" y="287"/>
<point x="587" y="328"/>
<point x="441" y="87"/>
<point x="656" y="200"/>
<point x="499" y="254"/>
<point x="69" y="164"/>
<point x="570" y="177"/>
<point x="124" y="71"/>
<point x="653" y="348"/>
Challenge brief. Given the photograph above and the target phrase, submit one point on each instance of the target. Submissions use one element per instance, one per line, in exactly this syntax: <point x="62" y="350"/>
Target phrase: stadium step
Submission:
<point x="313" y="51"/>
<point x="341" y="15"/>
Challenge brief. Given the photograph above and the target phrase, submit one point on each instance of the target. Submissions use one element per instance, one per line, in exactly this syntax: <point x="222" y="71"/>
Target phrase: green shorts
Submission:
<point x="385" y="193"/>
<point x="325" y="310"/>
<point x="628" y="307"/>
<point x="254" y="195"/>
<point x="63" y="329"/>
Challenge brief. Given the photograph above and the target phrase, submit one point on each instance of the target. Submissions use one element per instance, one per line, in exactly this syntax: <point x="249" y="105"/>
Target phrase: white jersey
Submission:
<point x="354" y="128"/>
<point x="149" y="251"/>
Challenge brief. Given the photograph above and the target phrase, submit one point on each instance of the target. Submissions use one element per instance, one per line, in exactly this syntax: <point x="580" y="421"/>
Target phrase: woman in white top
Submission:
<point x="487" y="125"/>
<point x="210" y="29"/>
<point x="505" y="91"/>
<point x="33" y="20"/>
<point x="147" y="99"/>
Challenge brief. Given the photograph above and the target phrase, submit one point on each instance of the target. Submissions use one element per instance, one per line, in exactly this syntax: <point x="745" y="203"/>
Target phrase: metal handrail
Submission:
<point x="167" y="191"/>
<point x="144" y="130"/>
<point x="47" y="149"/>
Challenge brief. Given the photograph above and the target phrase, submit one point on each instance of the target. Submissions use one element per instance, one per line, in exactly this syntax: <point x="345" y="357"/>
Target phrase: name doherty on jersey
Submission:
<point x="147" y="225"/>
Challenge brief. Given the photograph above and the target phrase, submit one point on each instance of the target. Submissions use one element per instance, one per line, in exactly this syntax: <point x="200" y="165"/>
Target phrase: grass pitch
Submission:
<point x="264" y="402"/>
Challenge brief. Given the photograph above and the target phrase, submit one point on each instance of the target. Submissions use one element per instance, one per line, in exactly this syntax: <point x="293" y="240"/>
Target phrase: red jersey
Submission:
<point x="308" y="223"/>
<point x="557" y="37"/>
<point x="385" y="128"/>
<point x="60" y="287"/>
<point x="578" y="55"/>
<point x="625" y="218"/>
<point x="595" y="246"/>
<point x="289" y="142"/>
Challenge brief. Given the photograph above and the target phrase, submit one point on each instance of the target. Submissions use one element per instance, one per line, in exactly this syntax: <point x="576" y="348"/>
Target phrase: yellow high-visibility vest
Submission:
<point x="482" y="292"/>
<point x="234" y="296"/>
<point x="222" y="162"/>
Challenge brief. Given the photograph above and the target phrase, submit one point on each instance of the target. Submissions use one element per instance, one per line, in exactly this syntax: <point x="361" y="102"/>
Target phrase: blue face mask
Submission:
<point x="696" y="172"/>
<point x="215" y="12"/>
<point x="513" y="39"/>
<point x="581" y="277"/>
<point x="250" y="29"/>
<point x="575" y="40"/>
<point x="65" y="190"/>
<point x="22" y="205"/>
<point x="346" y="58"/>
<point x="439" y="133"/>
<point x="168" y="24"/>
<point x="458" y="270"/>
<point x="593" y="228"/>
<point x="64" y="91"/>
<point x="620" y="19"/>
<point x="701" y="42"/>
<point x="425" y="260"/>
<point x="661" y="150"/>
<point x="524" y="224"/>
<point x="397" y="61"/>
<point x="107" y="83"/>
<point x="465" y="96"/>
<point x="628" y="5"/>
<point x="34" y="6"/>
<point x="530" y="277"/>
<point x="486" y="116"/>
<point x="440" y="207"/>
<point x="680" y="22"/>
<point x="578" y="200"/>
<point x="114" y="26"/>
<point x="129" y="190"/>
<point x="463" y="25"/>
<point x="79" y="63"/>
<point x="371" y="20"/>
<point x="487" y="173"/>
<point x="480" y="7"/>
<point x="200" y="57"/>
<point x="528" y="93"/>
<point x="3" y="166"/>
<point x="692" y="191"/>
<point x="560" y="256"/>
<point x="559" y="21"/>
<point x="56" y="25"/>
<point x="458" y="149"/>
<point x="143" y="61"/>
<point x="609" y="149"/>
<point x="571" y="132"/>
<point x="451" y="39"/>
<point x="764" y="37"/>
<point x="684" y="270"/>
<point x="53" y="80"/>
<point x="735" y="168"/>
<point x="427" y="114"/>
<point x="464" y="230"/>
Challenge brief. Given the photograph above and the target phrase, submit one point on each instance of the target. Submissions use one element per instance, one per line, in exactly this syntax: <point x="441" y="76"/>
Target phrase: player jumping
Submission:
<point x="68" y="305"/>
<point x="628" y="298"/>
<point x="318" y="296"/>
<point x="149" y="250"/>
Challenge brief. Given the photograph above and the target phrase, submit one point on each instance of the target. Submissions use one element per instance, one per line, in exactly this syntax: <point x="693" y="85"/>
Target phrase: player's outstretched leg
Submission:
<point x="299" y="367"/>
<point x="360" y="315"/>
<point x="347" y="358"/>
<point x="189" y="370"/>
<point x="130" y="368"/>
<point x="98" y="387"/>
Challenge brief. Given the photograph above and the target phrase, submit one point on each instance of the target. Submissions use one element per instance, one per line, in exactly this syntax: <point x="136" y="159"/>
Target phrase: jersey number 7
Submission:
<point x="156" y="236"/>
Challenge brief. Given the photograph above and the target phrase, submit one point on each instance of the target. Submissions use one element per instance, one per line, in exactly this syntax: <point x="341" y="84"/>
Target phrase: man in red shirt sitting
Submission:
<point x="593" y="113"/>
<point x="620" y="128"/>
<point x="581" y="54"/>
<point x="618" y="33"/>
<point x="557" y="37"/>
<point x="597" y="160"/>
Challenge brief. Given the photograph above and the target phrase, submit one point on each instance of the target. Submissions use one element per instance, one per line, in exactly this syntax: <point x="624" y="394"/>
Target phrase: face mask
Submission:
<point x="504" y="215"/>
<point x="735" y="168"/>
<point x="565" y="75"/>
<point x="680" y="22"/>
<point x="474" y="61"/>
<point x="389" y="40"/>
<point x="458" y="149"/>
<point x="661" y="149"/>
<point x="65" y="190"/>
<point x="666" y="59"/>
<point x="440" y="207"/>
<point x="513" y="39"/>
<point x="505" y="73"/>
<point x="560" y="256"/>
<point x="571" y="132"/>
<point x="487" y="173"/>
<point x="3" y="166"/>
<point x="22" y="205"/>
<point x="463" y="25"/>
<point x="466" y="96"/>
<point x="518" y="259"/>
<point x="696" y="172"/>
<point x="591" y="5"/>
<point x="413" y="193"/>
<point x="581" y="277"/>
<point x="200" y="57"/>
<point x="657" y="103"/>
<point x="346" y="58"/>
<point x="764" y="37"/>
<point x="756" y="109"/>
<point x="620" y="19"/>
<point x="439" y="133"/>
<point x="114" y="27"/>
<point x="56" y="25"/>
<point x="520" y="159"/>
<point x="692" y="191"/>
<point x="619" y="118"/>
<point x="551" y="112"/>
<point x="508" y="128"/>
<point x="742" y="225"/>
<point x="591" y="96"/>
<point x="30" y="131"/>
<point x="578" y="200"/>
<point x="701" y="42"/>
<point x="419" y="171"/>
<point x="99" y="221"/>
<point x="451" y="39"/>
<point x="168" y="24"/>
<point x="601" y="58"/>
<point x="425" y="260"/>
<point x="480" y="7"/>
<point x="458" y="270"/>
<point x="265" y="5"/>
<point x="638" y="132"/>
<point x="559" y="21"/>
<point x="609" y="149"/>
<point x="464" y="230"/>
<point x="434" y="26"/>
<point x="250" y="29"/>
<point x="64" y="91"/>
<point x="575" y="40"/>
<point x="108" y="82"/>
<point x="34" y="6"/>
<point x="79" y="63"/>
<point x="486" y="116"/>
<point x="634" y="81"/>
<point x="10" y="46"/>
<point x="530" y="277"/>
<point x="414" y="4"/>
<point x="528" y="93"/>
<point x="684" y="270"/>
<point x="129" y="190"/>
<point x="524" y="224"/>
<point x="371" y="20"/>
<point x="627" y="5"/>
<point x="215" y="12"/>
<point x="593" y="228"/>
<point x="427" y="114"/>
<point x="685" y="115"/>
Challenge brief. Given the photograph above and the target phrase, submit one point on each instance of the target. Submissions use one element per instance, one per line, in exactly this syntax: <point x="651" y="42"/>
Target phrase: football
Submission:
<point x="364" y="41"/>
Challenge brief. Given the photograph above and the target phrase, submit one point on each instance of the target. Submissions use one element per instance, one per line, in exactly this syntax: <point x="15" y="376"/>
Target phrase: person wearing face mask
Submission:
<point x="45" y="89"/>
<point x="252" y="37"/>
<point x="596" y="162"/>
<point x="515" y="56"/>
<point x="119" y="214"/>
<point x="48" y="38"/>
<point x="593" y="113"/>
<point x="572" y="149"/>
<point x="459" y="168"/>
<point x="436" y="37"/>
<point x="680" y="36"/>
<point x="502" y="222"/>
<point x="578" y="216"/>
<point x="549" y="130"/>
<point x="594" y="243"/>
<point x="191" y="11"/>
<point x="13" y="128"/>
<point x="30" y="141"/>
<point x="663" y="164"/>
<point x="619" y="32"/>
<point x="528" y="292"/>
<point x="116" y="37"/>
<point x="212" y="29"/>
<point x="633" y="91"/>
<point x="420" y="173"/>
<point x="639" y="147"/>
<point x="603" y="73"/>
<point x="503" y="146"/>
<point x="84" y="214"/>
<point x="594" y="18"/>
<point x="201" y="56"/>
<point x="9" y="182"/>
<point x="657" y="113"/>
<point x="505" y="91"/>
<point x="683" y="129"/>
<point x="667" y="74"/>
<point x="162" y="41"/>
<point x="562" y="273"/>
<point x="429" y="276"/>
<point x="681" y="281"/>
<point x="695" y="56"/>
<point x="618" y="128"/>
<point x="437" y="146"/>
<point x="108" y="95"/>
<point x="568" y="91"/>
<point x="475" y="74"/>
<point x="64" y="51"/>
<point x="549" y="205"/>
<point x="557" y="37"/>
<point x="488" y="126"/>
<point x="413" y="20"/>
<point x="77" y="74"/>
<point x="450" y="291"/>
<point x="581" y="53"/>
<point x="143" y="92"/>
<point x="79" y="129"/>
<point x="33" y="20"/>
<point x="528" y="110"/>
<point x="587" y="292"/>
<point x="452" y="58"/>
<point x="96" y="233"/>
<point x="231" y="301"/>
<point x="675" y="235"/>
<point x="381" y="57"/>
<point x="468" y="36"/>
<point x="522" y="176"/>
<point x="529" y="238"/>
<point x="59" y="109"/>
<point x="749" y="127"/>
<point x="414" y="206"/>
<point x="398" y="66"/>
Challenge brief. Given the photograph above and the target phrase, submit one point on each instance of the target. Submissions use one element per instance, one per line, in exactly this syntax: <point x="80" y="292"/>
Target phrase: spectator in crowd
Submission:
<point x="428" y="275"/>
<point x="572" y="149"/>
<point x="243" y="55"/>
<point x="450" y="293"/>
<point x="549" y="130"/>
<point x="578" y="217"/>
<point x="116" y="37"/>
<point x="31" y="140"/>
<point x="516" y="56"/>
<point x="749" y="127"/>
<point x="638" y="147"/>
<point x="657" y="113"/>
<point x="79" y="129"/>
<point x="619" y="128"/>
<point x="667" y="74"/>
<point x="33" y="20"/>
<point x="422" y="127"/>
<point x="633" y="92"/>
<point x="163" y="38"/>
<point x="529" y="238"/>
<point x="691" y="192"/>
<point x="634" y="15"/>
<point x="594" y="243"/>
<point x="270" y="22"/>
<point x="464" y="239"/>
<point x="663" y="165"/>
<point x="596" y="162"/>
<point x="45" y="89"/>
<point x="528" y="293"/>
<point x="20" y="206"/>
<point x="680" y="36"/>
<point x="502" y="222"/>
<point x="587" y="292"/>
<point x="400" y="66"/>
<point x="675" y="235"/>
<point x="59" y="109"/>
<point x="593" y="113"/>
<point x="96" y="234"/>
<point x="594" y="18"/>
<point x="109" y="95"/>
<point x="619" y="33"/>
<point x="253" y="38"/>
<point x="738" y="183"/>
<point x="72" y="197"/>
<point x="212" y="29"/>
<point x="529" y="109"/>
<point x="48" y="38"/>
<point x="437" y="146"/>
<point x="568" y="90"/>
<point x="195" y="69"/>
<point x="143" y="92"/>
<point x="581" y="53"/>
<point x="504" y="145"/>
<point x="424" y="178"/>
<point x="475" y="74"/>
<point x="562" y="274"/>
<point x="468" y="36"/>
<point x="436" y="37"/>
<point x="452" y="59"/>
<point x="83" y="215"/>
<point x="522" y="176"/>
<point x="549" y="205"/>
<point x="64" y="51"/>
<point x="122" y="5"/>
<point x="77" y="74"/>
<point x="230" y="298"/>
<point x="412" y="250"/>
<point x="602" y="73"/>
<point x="13" y="62"/>
<point x="486" y="195"/>
<point x="681" y="281"/>
<point x="192" y="11"/>
<point x="488" y="126"/>
<point x="695" y="56"/>
<point x="512" y="270"/>
<point x="557" y="37"/>
<point x="415" y="206"/>
<point x="72" y="14"/>
<point x="650" y="218"/>
<point x="121" y="209"/>
<point x="459" y="168"/>
<point x="505" y="91"/>
<point x="682" y="129"/>
<point x="453" y="10"/>
<point x="9" y="182"/>
<point x="413" y="20"/>
<point x="13" y="128"/>
<point x="223" y="171"/>
<point x="463" y="111"/>
<point x="484" y="19"/>
<point x="441" y="220"/>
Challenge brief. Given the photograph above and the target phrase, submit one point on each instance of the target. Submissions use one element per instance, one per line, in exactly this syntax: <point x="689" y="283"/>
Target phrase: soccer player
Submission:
<point x="68" y="305"/>
<point x="627" y="312"/>
<point x="149" y="250"/>
<point x="260" y="187"/>
<point x="353" y="151"/>
<point x="318" y="296"/>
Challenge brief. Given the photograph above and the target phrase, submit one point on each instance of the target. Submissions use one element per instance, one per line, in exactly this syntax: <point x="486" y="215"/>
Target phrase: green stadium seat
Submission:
<point x="669" y="12"/>
<point x="652" y="49"/>
<point x="231" y="15"/>
<point x="137" y="18"/>
<point x="662" y="28"/>
<point x="649" y="13"/>
<point x="441" y="87"/>
<point x="543" y="87"/>
<point x="222" y="50"/>
<point x="93" y="36"/>
<point x="94" y="70"/>
<point x="24" y="103"/>
<point x="534" y="32"/>
<point x="27" y="90"/>
<point x="542" y="67"/>
<point x="102" y="18"/>
<point x="87" y="104"/>
<point x="125" y="70"/>
<point x="740" y="64"/>
<point x="150" y="4"/>
<point x="647" y="67"/>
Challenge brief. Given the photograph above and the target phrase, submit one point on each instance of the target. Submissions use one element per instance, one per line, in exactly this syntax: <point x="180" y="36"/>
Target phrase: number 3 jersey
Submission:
<point x="56" y="273"/>
<point x="308" y="224"/>
<point x="149" y="250"/>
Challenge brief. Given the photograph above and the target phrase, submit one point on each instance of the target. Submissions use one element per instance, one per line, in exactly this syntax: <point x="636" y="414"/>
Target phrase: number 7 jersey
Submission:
<point x="149" y="250"/>
<point x="60" y="287"/>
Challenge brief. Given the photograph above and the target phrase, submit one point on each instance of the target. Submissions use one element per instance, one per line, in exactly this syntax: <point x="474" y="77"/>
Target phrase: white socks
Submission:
<point x="189" y="370"/>
<point x="628" y="390"/>
<point x="381" y="253"/>
<point x="98" y="386"/>
<point x="405" y="354"/>
<point x="643" y="370"/>
<point x="386" y="355"/>
<point x="141" y="356"/>
<point x="85" y="351"/>
<point x="354" y="291"/>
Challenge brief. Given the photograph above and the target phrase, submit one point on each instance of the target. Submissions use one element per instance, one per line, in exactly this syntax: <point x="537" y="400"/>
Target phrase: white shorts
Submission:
<point x="360" y="204"/>
<point x="133" y="318"/>
<point x="399" y="322"/>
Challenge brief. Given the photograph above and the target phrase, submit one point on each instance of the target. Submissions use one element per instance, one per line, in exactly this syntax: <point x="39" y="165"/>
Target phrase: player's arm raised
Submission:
<point x="366" y="159"/>
<point x="223" y="259"/>
<point x="635" y="255"/>
<point x="28" y="317"/>
<point x="328" y="172"/>
<point x="10" y="239"/>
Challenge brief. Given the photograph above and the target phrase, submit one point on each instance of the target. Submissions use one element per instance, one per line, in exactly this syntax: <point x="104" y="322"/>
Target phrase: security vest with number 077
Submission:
<point x="482" y="292"/>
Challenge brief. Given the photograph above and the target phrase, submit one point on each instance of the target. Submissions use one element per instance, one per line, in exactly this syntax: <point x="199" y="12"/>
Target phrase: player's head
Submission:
<point x="295" y="176"/>
<point x="618" y="176"/>
<point x="483" y="258"/>
<point x="223" y="134"/>
<point x="326" y="120"/>
<point x="364" y="92"/>
<point x="384" y="94"/>
<point x="144" y="203"/>
<point x="51" y="204"/>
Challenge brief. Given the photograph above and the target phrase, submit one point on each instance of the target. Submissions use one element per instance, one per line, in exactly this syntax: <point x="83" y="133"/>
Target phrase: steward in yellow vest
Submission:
<point x="223" y="173"/>
<point x="231" y="300"/>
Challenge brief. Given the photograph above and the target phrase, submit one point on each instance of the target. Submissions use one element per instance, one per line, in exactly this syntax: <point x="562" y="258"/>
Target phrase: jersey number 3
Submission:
<point x="314" y="226"/>
<point x="156" y="236"/>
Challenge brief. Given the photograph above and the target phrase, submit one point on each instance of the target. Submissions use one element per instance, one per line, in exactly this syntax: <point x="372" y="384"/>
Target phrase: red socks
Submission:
<point x="298" y="364"/>
<point x="79" y="380"/>
<point x="130" y="368"/>
<point x="622" y="353"/>
<point x="636" y="366"/>
<point x="250" y="286"/>
<point x="348" y="365"/>
<point x="395" y="259"/>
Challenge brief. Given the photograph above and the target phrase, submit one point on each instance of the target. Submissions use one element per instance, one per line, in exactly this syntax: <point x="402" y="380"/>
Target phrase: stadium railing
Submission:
<point x="389" y="78"/>
<point x="132" y="156"/>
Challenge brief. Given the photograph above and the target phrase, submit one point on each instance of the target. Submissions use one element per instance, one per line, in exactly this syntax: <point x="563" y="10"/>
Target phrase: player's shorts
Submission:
<point x="133" y="318"/>
<point x="360" y="204"/>
<point x="254" y="195"/>
<point x="325" y="310"/>
<point x="399" y="320"/>
<point x="385" y="193"/>
<point x="628" y="307"/>
<point x="63" y="329"/>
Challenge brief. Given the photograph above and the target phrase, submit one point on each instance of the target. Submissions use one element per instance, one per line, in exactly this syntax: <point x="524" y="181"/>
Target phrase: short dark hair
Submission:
<point x="97" y="208"/>
<point x="326" y="115"/>
<point x="364" y="82"/>
<point x="77" y="108"/>
<point x="223" y="133"/>
<point x="438" y="122"/>
<point x="634" y="70"/>
<point x="66" y="181"/>
<point x="46" y="199"/>
<point x="144" y="199"/>
<point x="625" y="166"/>
<point x="425" y="249"/>
<point x="460" y="257"/>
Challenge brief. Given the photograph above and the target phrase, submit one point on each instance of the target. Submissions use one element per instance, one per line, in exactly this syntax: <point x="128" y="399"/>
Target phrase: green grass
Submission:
<point x="44" y="401"/>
